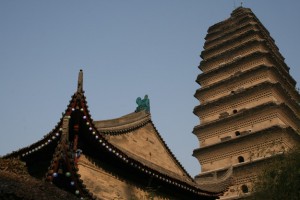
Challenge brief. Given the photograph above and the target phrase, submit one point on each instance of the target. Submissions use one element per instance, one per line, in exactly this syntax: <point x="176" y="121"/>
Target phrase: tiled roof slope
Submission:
<point x="136" y="134"/>
<point x="56" y="149"/>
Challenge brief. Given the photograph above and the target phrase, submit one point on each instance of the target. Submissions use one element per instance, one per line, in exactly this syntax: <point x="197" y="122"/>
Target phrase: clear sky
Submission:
<point x="127" y="49"/>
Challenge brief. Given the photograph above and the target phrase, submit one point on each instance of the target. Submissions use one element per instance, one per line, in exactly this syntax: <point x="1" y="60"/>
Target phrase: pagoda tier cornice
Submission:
<point x="221" y="32"/>
<point x="228" y="34"/>
<point x="246" y="12"/>
<point x="219" y="28"/>
<point x="243" y="137"/>
<point x="237" y="61"/>
<point x="243" y="114"/>
<point x="253" y="162"/>
<point x="238" y="38"/>
<point x="244" y="93"/>
<point x="234" y="77"/>
<point x="241" y="76"/>
<point x="231" y="51"/>
<point x="229" y="65"/>
<point x="236" y="95"/>
<point x="266" y="36"/>
<point x="243" y="46"/>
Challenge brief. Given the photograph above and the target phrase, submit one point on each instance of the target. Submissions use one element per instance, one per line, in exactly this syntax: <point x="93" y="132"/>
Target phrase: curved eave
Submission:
<point x="53" y="136"/>
<point x="123" y="124"/>
<point x="246" y="136"/>
<point x="78" y="102"/>
<point x="72" y="181"/>
<point x="246" y="113"/>
<point x="104" y="145"/>
<point x="245" y="92"/>
<point x="38" y="146"/>
<point x="131" y="122"/>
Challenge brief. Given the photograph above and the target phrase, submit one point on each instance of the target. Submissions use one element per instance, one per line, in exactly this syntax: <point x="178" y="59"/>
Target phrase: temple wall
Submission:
<point x="145" y="144"/>
<point x="106" y="186"/>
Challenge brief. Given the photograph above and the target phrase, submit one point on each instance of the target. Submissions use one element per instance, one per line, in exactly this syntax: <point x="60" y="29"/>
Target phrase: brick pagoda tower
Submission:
<point x="249" y="109"/>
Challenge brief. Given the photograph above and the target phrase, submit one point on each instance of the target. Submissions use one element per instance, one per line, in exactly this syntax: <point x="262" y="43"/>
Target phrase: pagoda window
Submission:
<point x="241" y="159"/>
<point x="237" y="133"/>
<point x="235" y="111"/>
<point x="244" y="188"/>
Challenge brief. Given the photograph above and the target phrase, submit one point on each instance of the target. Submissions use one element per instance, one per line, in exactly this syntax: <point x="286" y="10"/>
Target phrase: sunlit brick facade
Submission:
<point x="248" y="109"/>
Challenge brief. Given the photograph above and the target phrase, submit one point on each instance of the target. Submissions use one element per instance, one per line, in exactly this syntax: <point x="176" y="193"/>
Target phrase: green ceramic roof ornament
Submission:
<point x="143" y="104"/>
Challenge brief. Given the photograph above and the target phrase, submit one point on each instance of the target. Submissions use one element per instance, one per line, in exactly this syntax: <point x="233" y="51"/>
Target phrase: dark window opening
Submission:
<point x="237" y="133"/>
<point x="234" y="111"/>
<point x="245" y="188"/>
<point x="241" y="159"/>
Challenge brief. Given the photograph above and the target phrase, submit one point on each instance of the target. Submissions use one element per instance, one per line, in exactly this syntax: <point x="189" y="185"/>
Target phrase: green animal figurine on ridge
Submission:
<point x="143" y="104"/>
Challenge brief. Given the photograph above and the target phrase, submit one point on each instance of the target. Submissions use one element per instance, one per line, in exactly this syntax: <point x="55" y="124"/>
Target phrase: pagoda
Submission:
<point x="123" y="158"/>
<point x="248" y="109"/>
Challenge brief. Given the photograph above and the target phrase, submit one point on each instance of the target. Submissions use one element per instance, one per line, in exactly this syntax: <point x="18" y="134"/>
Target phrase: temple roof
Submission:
<point x="136" y="135"/>
<point x="131" y="140"/>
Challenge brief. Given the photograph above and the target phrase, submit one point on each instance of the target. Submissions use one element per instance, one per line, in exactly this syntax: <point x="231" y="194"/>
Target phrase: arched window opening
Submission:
<point x="244" y="188"/>
<point x="235" y="111"/>
<point x="241" y="159"/>
<point x="237" y="133"/>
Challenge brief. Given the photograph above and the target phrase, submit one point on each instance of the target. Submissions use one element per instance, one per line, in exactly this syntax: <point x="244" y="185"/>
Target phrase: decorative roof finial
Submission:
<point x="241" y="3"/>
<point x="143" y="104"/>
<point x="80" y="81"/>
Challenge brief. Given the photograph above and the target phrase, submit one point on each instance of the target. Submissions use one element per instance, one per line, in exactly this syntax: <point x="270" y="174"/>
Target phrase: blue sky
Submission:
<point x="127" y="49"/>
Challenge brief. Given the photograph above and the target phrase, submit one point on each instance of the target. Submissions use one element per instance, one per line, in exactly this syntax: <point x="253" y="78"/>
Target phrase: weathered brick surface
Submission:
<point x="145" y="144"/>
<point x="107" y="186"/>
